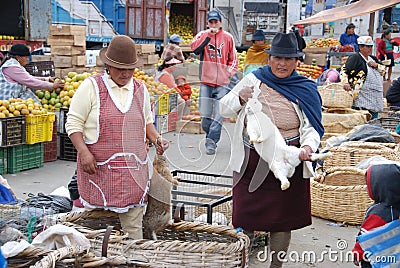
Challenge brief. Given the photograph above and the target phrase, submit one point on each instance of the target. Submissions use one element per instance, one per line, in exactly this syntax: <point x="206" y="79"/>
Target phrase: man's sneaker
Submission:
<point x="210" y="150"/>
<point x="210" y="147"/>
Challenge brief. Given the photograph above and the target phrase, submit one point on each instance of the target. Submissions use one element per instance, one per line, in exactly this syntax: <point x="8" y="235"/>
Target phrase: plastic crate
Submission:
<point x="172" y="119"/>
<point x="173" y="102"/>
<point x="161" y="123"/>
<point x="3" y="160"/>
<point x="24" y="157"/>
<point x="67" y="148"/>
<point x="50" y="148"/>
<point x="202" y="193"/>
<point x="161" y="104"/>
<point x="62" y="119"/>
<point x="39" y="128"/>
<point x="41" y="68"/>
<point x="12" y="131"/>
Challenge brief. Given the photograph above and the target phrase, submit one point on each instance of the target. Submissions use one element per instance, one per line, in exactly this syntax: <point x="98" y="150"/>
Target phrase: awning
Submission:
<point x="359" y="8"/>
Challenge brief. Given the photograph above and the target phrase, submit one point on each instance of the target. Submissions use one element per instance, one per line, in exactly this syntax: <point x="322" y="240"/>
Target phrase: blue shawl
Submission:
<point x="297" y="89"/>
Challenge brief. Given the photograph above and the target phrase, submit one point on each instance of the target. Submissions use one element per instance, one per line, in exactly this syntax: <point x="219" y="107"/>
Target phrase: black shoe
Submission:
<point x="211" y="147"/>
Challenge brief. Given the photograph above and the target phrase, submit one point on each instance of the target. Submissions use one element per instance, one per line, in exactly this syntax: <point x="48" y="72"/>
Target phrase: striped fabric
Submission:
<point x="9" y="90"/>
<point x="382" y="245"/>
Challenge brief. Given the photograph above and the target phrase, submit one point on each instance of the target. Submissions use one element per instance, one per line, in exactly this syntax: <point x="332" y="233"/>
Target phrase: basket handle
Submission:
<point x="106" y="239"/>
<point x="179" y="212"/>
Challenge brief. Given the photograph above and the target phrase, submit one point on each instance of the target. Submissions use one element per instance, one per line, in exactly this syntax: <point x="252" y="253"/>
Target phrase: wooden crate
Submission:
<point x="62" y="61"/>
<point x="67" y="30"/>
<point x="145" y="48"/>
<point x="67" y="40"/>
<point x="190" y="127"/>
<point x="79" y="60"/>
<point x="67" y="50"/>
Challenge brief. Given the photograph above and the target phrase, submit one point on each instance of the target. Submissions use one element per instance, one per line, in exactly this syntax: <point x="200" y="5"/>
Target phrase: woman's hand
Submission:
<point x="373" y="64"/>
<point x="347" y="87"/>
<point x="305" y="153"/>
<point x="58" y="84"/>
<point x="88" y="162"/>
<point x="245" y="94"/>
<point x="161" y="145"/>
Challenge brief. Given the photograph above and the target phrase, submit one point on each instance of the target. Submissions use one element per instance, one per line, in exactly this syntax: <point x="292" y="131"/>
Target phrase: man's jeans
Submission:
<point x="211" y="119"/>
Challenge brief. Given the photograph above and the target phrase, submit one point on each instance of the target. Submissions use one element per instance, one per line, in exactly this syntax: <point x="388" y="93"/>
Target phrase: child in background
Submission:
<point x="185" y="91"/>
<point x="383" y="182"/>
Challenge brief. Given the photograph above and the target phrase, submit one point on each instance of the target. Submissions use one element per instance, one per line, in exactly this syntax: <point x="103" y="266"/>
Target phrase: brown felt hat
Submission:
<point x="121" y="53"/>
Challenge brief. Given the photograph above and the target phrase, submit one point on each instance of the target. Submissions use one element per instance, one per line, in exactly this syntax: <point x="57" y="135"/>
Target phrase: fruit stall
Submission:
<point x="186" y="18"/>
<point x="317" y="50"/>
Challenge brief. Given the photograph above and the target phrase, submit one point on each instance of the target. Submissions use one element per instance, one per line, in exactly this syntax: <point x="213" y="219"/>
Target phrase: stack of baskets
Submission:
<point x="340" y="194"/>
<point x="351" y="153"/>
<point x="339" y="118"/>
<point x="181" y="244"/>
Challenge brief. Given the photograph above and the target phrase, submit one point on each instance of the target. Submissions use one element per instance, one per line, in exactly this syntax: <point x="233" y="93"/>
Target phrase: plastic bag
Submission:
<point x="372" y="133"/>
<point x="57" y="203"/>
<point x="59" y="236"/>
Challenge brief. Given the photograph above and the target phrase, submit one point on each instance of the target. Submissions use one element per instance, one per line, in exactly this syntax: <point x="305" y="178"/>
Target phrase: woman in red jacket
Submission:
<point x="385" y="50"/>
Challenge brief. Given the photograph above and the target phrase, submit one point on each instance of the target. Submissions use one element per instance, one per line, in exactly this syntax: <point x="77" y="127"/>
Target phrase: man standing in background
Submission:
<point x="218" y="64"/>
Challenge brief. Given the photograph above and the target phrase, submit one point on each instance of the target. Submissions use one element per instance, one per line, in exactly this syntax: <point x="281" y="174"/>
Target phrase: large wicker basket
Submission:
<point x="9" y="212"/>
<point x="351" y="153"/>
<point x="334" y="96"/>
<point x="340" y="194"/>
<point x="342" y="120"/>
<point x="181" y="244"/>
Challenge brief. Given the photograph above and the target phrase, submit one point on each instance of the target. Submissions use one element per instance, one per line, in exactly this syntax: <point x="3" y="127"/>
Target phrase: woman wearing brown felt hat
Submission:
<point x="108" y="122"/>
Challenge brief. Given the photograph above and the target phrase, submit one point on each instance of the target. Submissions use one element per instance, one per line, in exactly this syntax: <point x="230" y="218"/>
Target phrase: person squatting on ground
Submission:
<point x="293" y="103"/>
<point x="108" y="122"/>
<point x="362" y="74"/>
<point x="218" y="64"/>
<point x="383" y="182"/>
<point x="16" y="82"/>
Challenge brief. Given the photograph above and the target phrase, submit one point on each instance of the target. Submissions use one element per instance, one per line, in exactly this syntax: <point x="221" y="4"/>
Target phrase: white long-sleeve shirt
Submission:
<point x="230" y="107"/>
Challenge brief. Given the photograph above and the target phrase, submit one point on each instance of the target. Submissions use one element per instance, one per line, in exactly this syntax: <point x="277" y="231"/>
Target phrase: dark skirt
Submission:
<point x="267" y="207"/>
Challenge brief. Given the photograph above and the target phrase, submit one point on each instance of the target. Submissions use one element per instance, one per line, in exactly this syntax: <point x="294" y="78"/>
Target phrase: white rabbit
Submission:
<point x="270" y="145"/>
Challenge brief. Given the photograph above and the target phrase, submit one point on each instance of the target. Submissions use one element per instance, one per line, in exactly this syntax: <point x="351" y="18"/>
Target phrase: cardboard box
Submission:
<point x="320" y="58"/>
<point x="190" y="127"/>
<point x="67" y="30"/>
<point x="193" y="68"/>
<point x="316" y="50"/>
<point x="150" y="58"/>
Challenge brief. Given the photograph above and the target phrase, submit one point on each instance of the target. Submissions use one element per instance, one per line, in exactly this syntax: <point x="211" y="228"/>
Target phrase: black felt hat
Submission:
<point x="19" y="50"/>
<point x="285" y="46"/>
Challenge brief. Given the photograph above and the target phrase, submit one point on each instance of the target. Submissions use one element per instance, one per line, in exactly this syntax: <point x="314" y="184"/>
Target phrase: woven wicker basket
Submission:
<point x="181" y="244"/>
<point x="9" y="212"/>
<point x="334" y="96"/>
<point x="342" y="120"/>
<point x="351" y="153"/>
<point x="340" y="194"/>
<point x="390" y="123"/>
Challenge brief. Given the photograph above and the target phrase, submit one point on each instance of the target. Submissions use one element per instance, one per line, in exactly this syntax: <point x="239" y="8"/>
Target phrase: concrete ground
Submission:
<point x="320" y="245"/>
